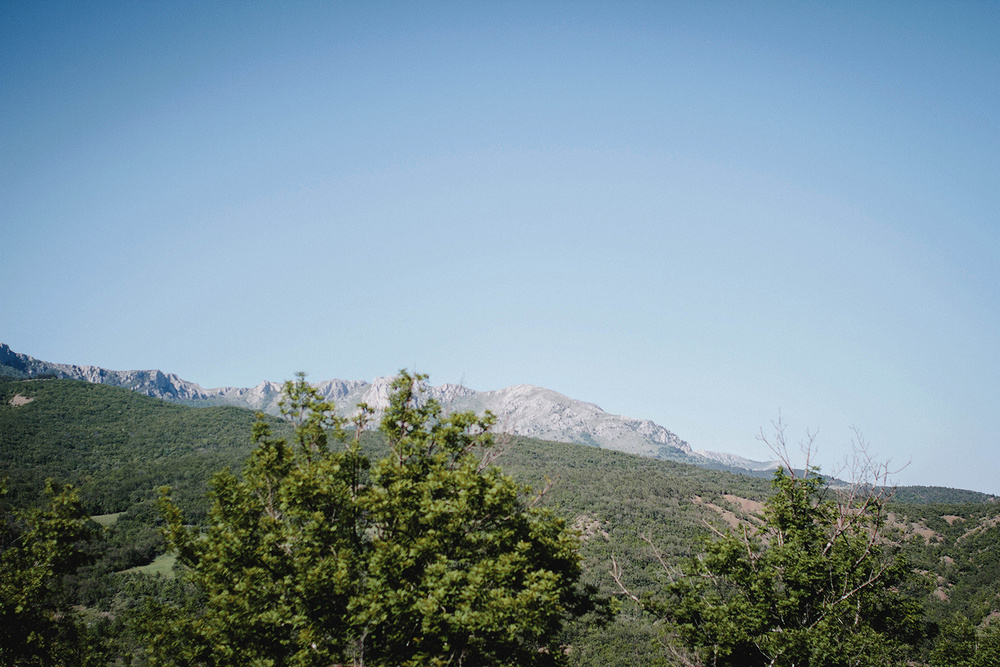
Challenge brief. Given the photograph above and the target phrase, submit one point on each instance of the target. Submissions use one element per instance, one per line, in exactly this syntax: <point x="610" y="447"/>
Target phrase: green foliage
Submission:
<point x="961" y="644"/>
<point x="114" y="445"/>
<point x="914" y="495"/>
<point x="37" y="549"/>
<point x="432" y="557"/>
<point x="117" y="447"/>
<point x="958" y="558"/>
<point x="814" y="586"/>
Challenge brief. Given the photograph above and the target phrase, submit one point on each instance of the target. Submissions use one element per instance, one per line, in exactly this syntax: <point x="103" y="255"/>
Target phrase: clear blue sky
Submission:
<point x="698" y="213"/>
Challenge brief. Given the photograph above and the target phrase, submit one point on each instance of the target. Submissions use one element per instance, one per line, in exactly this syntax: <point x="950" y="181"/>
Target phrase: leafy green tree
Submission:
<point x="814" y="586"/>
<point x="960" y="644"/>
<point x="277" y="567"/>
<point x="431" y="557"/>
<point x="38" y="548"/>
<point x="461" y="570"/>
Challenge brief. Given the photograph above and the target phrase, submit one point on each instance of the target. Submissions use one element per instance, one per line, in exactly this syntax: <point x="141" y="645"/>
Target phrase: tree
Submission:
<point x="431" y="557"/>
<point x="37" y="548"/>
<point x="461" y="570"/>
<point x="814" y="585"/>
<point x="961" y="644"/>
<point x="279" y="562"/>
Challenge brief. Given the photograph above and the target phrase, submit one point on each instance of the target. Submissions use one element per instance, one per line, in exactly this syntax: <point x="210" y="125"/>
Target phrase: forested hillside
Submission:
<point x="114" y="444"/>
<point x="117" y="447"/>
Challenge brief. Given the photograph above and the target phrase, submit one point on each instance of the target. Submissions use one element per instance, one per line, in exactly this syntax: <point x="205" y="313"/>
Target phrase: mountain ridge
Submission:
<point x="525" y="410"/>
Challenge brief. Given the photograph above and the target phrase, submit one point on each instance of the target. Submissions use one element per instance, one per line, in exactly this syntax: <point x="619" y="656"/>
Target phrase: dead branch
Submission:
<point x="779" y="446"/>
<point x="549" y="483"/>
<point x="616" y="574"/>
<point x="679" y="653"/>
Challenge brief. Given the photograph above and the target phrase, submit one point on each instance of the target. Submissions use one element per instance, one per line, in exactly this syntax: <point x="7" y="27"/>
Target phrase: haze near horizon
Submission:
<point x="695" y="213"/>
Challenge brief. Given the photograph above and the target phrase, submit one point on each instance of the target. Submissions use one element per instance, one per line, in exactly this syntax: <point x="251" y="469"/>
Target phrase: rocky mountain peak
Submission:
<point x="524" y="409"/>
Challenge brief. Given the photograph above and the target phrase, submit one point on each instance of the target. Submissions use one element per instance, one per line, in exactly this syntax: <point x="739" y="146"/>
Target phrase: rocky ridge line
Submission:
<point x="524" y="410"/>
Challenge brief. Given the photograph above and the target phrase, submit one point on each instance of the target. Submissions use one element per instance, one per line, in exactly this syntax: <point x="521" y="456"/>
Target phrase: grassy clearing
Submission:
<point x="107" y="520"/>
<point x="163" y="565"/>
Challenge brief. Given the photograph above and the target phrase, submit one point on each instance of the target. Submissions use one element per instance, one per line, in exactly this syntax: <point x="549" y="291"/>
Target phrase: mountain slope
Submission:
<point x="116" y="445"/>
<point x="524" y="410"/>
<point x="119" y="446"/>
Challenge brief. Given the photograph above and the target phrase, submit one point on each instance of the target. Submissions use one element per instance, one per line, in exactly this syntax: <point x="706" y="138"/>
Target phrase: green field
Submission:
<point x="107" y="520"/>
<point x="162" y="566"/>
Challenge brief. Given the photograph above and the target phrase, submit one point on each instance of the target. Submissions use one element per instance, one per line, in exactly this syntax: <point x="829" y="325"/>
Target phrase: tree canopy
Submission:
<point x="37" y="548"/>
<point x="313" y="556"/>
<point x="813" y="584"/>
<point x="116" y="447"/>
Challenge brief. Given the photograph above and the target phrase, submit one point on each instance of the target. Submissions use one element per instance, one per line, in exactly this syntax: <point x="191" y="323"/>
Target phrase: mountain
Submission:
<point x="119" y="446"/>
<point x="152" y="383"/>
<point x="524" y="410"/>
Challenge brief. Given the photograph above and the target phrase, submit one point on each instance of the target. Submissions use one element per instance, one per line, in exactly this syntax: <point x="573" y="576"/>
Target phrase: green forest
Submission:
<point x="140" y="532"/>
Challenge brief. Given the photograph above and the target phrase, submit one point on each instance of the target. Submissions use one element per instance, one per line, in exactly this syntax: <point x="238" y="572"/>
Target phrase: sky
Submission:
<point x="706" y="214"/>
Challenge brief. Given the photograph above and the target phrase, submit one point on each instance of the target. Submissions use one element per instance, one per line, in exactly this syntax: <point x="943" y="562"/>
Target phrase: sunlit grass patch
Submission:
<point x="161" y="565"/>
<point x="107" y="520"/>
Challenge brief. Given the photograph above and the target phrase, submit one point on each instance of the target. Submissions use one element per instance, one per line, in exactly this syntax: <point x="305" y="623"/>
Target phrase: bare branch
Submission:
<point x="683" y="656"/>
<point x="657" y="554"/>
<point x="616" y="574"/>
<point x="549" y="483"/>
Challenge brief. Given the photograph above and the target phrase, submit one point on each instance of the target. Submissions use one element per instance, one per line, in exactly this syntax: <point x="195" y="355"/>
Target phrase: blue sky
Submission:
<point x="696" y="213"/>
